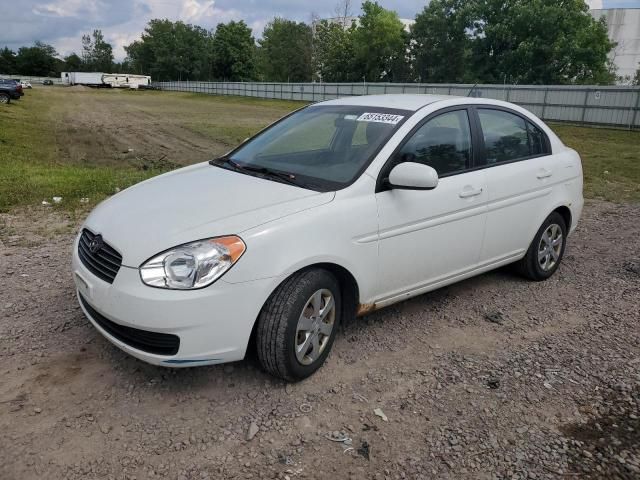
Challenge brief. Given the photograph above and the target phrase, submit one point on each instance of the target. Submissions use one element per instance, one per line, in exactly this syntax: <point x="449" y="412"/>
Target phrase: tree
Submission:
<point x="285" y="52"/>
<point x="7" y="61"/>
<point x="538" y="41"/>
<point x="334" y="52"/>
<point x="39" y="60"/>
<point x="122" y="67"/>
<point x="636" y="77"/>
<point x="97" y="54"/>
<point x="380" y="43"/>
<point x="233" y="52"/>
<point x="72" y="63"/>
<point x="172" y="51"/>
<point x="441" y="46"/>
<point x="344" y="12"/>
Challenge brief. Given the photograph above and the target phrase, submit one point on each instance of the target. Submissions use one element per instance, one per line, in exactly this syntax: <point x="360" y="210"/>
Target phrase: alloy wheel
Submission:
<point x="315" y="326"/>
<point x="550" y="247"/>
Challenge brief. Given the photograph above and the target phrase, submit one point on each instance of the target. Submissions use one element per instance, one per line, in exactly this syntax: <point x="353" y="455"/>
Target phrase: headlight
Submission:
<point x="192" y="265"/>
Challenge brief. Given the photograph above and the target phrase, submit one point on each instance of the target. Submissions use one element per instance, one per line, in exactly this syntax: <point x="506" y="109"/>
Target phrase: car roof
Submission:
<point x="411" y="102"/>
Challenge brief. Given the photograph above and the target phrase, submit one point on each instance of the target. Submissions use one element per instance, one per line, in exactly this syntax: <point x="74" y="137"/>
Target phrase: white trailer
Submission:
<point x="126" y="80"/>
<point x="91" y="79"/>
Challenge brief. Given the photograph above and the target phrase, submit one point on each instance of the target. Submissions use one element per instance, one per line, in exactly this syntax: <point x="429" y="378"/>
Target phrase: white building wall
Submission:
<point x="624" y="29"/>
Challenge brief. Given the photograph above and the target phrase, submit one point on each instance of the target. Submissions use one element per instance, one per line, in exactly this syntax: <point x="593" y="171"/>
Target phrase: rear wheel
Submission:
<point x="546" y="251"/>
<point x="298" y="324"/>
<point x="4" y="98"/>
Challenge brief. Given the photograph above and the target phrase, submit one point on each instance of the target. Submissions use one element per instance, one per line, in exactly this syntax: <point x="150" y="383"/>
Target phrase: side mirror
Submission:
<point x="413" y="176"/>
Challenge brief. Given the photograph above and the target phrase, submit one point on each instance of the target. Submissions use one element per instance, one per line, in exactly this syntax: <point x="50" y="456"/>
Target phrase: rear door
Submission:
<point x="520" y="178"/>
<point x="429" y="237"/>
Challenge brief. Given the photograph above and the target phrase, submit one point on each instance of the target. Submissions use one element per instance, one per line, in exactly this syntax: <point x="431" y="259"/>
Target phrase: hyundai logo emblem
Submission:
<point x="96" y="244"/>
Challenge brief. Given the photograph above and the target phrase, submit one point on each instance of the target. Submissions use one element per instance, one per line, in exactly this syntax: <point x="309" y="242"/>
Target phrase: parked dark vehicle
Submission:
<point x="47" y="82"/>
<point x="10" y="90"/>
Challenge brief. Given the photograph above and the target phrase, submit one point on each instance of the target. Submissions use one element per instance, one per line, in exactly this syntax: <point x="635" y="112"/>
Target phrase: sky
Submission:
<point x="61" y="23"/>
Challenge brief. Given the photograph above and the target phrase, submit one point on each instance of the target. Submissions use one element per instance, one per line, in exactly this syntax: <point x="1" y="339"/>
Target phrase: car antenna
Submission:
<point x="472" y="88"/>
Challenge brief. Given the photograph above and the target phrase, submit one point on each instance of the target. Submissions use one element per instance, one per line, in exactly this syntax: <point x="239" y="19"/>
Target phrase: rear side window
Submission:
<point x="509" y="137"/>
<point x="538" y="140"/>
<point x="443" y="143"/>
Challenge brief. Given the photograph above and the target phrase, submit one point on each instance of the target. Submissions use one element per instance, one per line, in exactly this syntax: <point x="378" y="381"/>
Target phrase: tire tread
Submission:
<point x="272" y="324"/>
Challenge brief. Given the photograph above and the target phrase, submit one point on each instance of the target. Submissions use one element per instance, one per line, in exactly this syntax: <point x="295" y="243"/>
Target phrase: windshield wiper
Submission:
<point x="267" y="172"/>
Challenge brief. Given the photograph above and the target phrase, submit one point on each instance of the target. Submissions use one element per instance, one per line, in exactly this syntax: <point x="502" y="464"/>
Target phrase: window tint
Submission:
<point x="505" y="136"/>
<point x="443" y="143"/>
<point x="537" y="140"/>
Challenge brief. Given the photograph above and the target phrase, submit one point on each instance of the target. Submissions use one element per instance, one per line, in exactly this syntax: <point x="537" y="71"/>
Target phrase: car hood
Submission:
<point x="190" y="204"/>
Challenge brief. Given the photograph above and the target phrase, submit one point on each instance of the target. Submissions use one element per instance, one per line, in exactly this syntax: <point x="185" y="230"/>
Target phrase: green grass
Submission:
<point x="37" y="163"/>
<point x="30" y="171"/>
<point x="34" y="166"/>
<point x="610" y="160"/>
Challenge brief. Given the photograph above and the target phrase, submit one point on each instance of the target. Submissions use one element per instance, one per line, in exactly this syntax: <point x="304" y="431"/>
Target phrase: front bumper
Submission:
<point x="213" y="324"/>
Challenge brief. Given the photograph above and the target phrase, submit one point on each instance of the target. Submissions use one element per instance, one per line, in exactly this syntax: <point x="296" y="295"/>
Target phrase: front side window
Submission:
<point x="509" y="137"/>
<point x="321" y="146"/>
<point x="443" y="143"/>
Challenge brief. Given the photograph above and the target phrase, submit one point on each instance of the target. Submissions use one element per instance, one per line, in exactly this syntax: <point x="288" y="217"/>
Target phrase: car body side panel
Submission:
<point x="522" y="194"/>
<point x="427" y="235"/>
<point x="343" y="232"/>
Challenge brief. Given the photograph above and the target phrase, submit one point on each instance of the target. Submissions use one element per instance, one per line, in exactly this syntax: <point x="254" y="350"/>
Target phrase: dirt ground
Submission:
<point x="152" y="129"/>
<point x="494" y="377"/>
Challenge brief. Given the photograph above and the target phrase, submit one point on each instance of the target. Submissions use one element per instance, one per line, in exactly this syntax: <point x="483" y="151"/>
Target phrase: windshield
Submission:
<point x="321" y="147"/>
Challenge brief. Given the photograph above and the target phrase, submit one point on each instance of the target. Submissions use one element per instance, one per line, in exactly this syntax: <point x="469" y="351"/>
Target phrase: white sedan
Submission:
<point x="336" y="210"/>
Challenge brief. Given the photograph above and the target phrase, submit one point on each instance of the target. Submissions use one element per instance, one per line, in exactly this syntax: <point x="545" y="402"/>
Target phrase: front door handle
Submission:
<point x="544" y="173"/>
<point x="470" y="192"/>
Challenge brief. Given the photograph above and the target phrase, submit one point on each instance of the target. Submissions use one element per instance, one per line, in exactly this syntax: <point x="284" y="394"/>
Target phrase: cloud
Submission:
<point x="62" y="22"/>
<point x="192" y="10"/>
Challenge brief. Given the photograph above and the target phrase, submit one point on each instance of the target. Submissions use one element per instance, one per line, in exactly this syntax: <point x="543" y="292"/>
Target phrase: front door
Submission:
<point x="428" y="237"/>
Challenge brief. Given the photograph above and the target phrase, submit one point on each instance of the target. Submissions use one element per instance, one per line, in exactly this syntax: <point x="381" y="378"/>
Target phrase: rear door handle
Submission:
<point x="470" y="192"/>
<point x="544" y="173"/>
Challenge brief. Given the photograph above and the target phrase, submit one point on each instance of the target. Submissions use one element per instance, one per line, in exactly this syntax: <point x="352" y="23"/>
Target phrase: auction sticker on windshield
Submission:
<point x="380" y="118"/>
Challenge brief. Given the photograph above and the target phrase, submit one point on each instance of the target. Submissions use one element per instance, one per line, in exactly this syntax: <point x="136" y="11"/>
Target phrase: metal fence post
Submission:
<point x="635" y="113"/>
<point x="544" y="104"/>
<point x="584" y="106"/>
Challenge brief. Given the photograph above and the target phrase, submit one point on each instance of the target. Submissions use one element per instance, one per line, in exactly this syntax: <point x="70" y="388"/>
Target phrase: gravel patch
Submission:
<point x="492" y="378"/>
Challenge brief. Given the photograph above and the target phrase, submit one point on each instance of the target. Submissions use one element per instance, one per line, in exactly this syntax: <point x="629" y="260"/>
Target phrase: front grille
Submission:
<point x="143" y="340"/>
<point x="104" y="263"/>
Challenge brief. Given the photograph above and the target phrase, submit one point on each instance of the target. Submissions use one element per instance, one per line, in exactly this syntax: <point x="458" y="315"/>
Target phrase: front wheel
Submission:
<point x="298" y="324"/>
<point x="4" y="98"/>
<point x="546" y="251"/>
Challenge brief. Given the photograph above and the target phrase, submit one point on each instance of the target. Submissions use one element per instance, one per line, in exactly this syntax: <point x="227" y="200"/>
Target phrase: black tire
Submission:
<point x="530" y="266"/>
<point x="5" y="98"/>
<point x="278" y="321"/>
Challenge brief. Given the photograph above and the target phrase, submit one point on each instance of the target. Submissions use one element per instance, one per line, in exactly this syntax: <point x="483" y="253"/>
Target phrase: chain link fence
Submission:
<point x="617" y="106"/>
